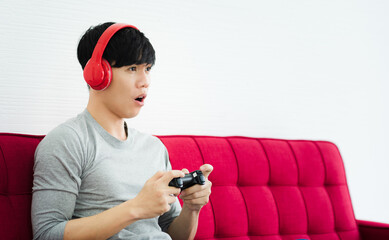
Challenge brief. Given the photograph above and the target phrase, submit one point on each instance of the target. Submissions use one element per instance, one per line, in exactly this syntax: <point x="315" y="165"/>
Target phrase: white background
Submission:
<point x="281" y="69"/>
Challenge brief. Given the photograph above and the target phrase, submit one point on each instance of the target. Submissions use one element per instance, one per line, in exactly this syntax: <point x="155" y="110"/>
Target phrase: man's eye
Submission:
<point x="148" y="69"/>
<point x="132" y="69"/>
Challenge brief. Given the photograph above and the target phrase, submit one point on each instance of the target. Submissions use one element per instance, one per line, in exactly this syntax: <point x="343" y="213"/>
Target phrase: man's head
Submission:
<point x="127" y="46"/>
<point x="131" y="57"/>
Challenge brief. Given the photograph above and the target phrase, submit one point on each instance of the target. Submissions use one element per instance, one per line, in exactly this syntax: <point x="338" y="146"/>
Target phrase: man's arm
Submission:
<point x="153" y="200"/>
<point x="102" y="225"/>
<point x="185" y="225"/>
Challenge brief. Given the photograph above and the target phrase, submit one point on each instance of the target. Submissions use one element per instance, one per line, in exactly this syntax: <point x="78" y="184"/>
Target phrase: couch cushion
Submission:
<point x="269" y="188"/>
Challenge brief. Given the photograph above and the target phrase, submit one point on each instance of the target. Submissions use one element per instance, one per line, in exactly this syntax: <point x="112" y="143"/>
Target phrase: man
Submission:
<point x="97" y="178"/>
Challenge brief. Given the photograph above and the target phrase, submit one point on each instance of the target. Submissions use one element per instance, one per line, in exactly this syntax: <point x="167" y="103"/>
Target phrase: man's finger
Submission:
<point x="196" y="188"/>
<point x="171" y="199"/>
<point x="196" y="195"/>
<point x="206" y="169"/>
<point x="168" y="176"/>
<point x="157" y="176"/>
<point x="174" y="191"/>
<point x="184" y="170"/>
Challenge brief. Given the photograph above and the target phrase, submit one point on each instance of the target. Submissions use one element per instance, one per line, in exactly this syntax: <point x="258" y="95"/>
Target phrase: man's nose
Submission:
<point x="144" y="80"/>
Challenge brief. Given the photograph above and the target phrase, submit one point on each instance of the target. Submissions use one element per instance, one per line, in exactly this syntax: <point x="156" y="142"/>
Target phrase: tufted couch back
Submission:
<point x="269" y="189"/>
<point x="263" y="189"/>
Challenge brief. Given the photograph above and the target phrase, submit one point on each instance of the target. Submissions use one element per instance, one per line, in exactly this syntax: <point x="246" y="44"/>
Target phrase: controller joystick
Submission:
<point x="195" y="177"/>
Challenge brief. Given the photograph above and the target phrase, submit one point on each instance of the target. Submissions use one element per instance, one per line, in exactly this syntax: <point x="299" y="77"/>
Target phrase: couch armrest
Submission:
<point x="373" y="230"/>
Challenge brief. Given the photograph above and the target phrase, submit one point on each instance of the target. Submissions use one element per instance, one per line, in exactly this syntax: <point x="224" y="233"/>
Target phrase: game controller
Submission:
<point x="195" y="177"/>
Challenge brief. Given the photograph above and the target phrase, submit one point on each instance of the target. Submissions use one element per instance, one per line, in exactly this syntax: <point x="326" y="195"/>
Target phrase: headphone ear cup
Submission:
<point x="98" y="71"/>
<point x="107" y="78"/>
<point x="98" y="75"/>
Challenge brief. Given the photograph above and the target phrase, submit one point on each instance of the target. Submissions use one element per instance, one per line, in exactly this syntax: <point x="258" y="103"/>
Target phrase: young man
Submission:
<point x="96" y="178"/>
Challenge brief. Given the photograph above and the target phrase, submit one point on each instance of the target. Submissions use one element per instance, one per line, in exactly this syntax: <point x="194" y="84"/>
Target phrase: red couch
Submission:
<point x="263" y="189"/>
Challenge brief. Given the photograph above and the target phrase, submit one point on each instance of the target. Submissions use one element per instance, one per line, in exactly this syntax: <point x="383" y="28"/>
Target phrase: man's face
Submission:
<point x="128" y="84"/>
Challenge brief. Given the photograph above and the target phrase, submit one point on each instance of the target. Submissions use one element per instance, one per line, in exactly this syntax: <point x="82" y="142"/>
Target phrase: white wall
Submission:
<point x="280" y="69"/>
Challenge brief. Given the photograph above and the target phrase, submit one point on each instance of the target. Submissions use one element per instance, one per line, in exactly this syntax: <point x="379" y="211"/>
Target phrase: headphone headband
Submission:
<point x="102" y="43"/>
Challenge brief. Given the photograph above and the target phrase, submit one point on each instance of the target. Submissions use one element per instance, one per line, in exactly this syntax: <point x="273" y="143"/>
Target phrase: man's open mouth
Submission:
<point x="140" y="98"/>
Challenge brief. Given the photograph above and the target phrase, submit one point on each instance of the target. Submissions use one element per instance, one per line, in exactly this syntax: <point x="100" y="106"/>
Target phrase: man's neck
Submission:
<point x="113" y="124"/>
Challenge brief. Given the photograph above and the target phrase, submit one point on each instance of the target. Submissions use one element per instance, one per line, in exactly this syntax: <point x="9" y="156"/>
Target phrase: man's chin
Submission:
<point x="131" y="115"/>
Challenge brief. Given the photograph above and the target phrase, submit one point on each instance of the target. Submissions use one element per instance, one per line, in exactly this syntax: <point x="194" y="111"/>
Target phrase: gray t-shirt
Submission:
<point x="81" y="170"/>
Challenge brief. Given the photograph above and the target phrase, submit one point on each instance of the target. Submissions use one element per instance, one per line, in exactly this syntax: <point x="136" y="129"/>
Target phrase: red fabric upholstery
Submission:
<point x="16" y="163"/>
<point x="263" y="189"/>
<point x="269" y="188"/>
<point x="373" y="230"/>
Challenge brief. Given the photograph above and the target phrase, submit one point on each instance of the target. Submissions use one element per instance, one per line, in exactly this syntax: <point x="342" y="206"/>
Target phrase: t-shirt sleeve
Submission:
<point x="57" y="179"/>
<point x="167" y="218"/>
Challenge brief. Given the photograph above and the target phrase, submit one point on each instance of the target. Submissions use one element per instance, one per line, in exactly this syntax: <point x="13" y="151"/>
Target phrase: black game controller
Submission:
<point x="189" y="180"/>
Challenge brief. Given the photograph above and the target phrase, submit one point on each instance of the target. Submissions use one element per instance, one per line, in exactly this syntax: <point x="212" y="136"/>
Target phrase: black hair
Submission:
<point x="127" y="46"/>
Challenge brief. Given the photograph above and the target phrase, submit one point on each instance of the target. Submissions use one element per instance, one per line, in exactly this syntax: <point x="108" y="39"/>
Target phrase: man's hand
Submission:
<point x="156" y="195"/>
<point x="197" y="196"/>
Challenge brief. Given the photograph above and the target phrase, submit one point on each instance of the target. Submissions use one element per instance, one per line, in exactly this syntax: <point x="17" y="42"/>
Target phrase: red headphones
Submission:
<point x="98" y="71"/>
